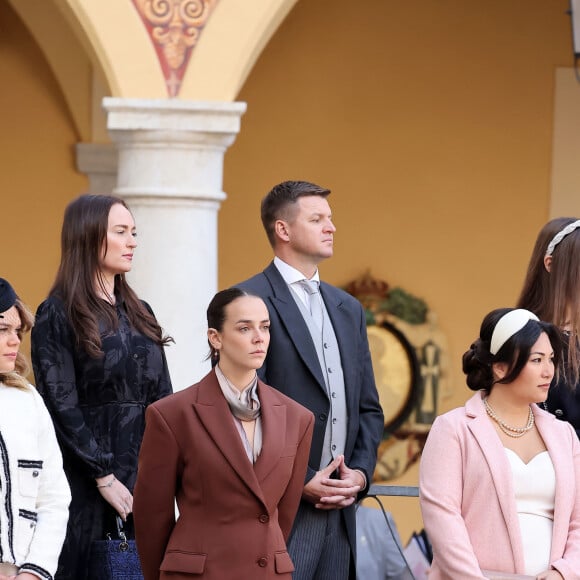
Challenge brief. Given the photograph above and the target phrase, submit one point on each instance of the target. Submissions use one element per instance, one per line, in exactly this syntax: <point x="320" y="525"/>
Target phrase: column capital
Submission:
<point x="99" y="162"/>
<point x="169" y="148"/>
<point x="154" y="118"/>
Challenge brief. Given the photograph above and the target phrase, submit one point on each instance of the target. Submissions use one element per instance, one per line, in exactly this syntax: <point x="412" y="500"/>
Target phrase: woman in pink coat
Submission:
<point x="500" y="477"/>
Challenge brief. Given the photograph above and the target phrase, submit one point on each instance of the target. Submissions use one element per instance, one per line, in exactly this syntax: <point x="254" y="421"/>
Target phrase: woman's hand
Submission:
<point x="22" y="576"/>
<point x="116" y="494"/>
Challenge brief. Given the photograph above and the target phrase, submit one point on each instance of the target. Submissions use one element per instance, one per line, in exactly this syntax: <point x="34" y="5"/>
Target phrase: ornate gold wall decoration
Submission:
<point x="174" y="27"/>
<point x="409" y="355"/>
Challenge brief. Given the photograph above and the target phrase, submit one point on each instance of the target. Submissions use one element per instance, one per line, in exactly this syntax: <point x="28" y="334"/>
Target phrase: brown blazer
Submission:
<point x="234" y="517"/>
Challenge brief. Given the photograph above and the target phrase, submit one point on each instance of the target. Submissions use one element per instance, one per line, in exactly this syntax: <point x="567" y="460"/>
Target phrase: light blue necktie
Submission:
<point x="315" y="300"/>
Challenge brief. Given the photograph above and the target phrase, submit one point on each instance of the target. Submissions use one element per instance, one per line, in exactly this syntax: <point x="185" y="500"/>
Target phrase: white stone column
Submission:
<point x="99" y="162"/>
<point x="170" y="172"/>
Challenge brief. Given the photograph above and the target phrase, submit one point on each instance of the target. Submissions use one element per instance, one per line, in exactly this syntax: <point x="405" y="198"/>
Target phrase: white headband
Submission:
<point x="560" y="236"/>
<point x="507" y="326"/>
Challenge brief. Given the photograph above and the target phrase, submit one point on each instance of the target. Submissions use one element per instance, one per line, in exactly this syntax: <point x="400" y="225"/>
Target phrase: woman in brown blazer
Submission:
<point x="232" y="452"/>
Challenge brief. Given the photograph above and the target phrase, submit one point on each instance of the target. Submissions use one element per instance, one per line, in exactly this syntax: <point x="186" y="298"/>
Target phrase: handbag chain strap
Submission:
<point x="124" y="544"/>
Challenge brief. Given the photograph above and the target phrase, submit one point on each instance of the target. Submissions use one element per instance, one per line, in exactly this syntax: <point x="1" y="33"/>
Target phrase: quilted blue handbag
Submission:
<point x="114" y="558"/>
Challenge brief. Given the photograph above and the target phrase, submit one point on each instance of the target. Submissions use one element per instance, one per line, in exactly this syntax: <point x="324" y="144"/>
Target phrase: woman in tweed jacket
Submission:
<point x="34" y="493"/>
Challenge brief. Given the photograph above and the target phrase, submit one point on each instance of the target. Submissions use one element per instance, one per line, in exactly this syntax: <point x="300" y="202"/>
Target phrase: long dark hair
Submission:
<point x="554" y="296"/>
<point x="478" y="360"/>
<point x="84" y="231"/>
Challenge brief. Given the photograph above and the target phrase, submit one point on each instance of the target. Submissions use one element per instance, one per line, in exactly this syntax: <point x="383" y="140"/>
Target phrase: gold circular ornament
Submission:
<point x="396" y="371"/>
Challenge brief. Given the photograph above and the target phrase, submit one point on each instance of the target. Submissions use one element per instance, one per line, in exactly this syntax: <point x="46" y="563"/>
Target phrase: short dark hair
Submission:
<point x="478" y="360"/>
<point x="282" y="198"/>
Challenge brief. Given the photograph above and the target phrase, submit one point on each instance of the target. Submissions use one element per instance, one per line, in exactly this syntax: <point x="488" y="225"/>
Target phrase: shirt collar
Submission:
<point x="244" y="395"/>
<point x="290" y="274"/>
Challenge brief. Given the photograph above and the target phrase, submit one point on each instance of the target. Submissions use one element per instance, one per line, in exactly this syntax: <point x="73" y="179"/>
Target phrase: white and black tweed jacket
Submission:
<point x="34" y="492"/>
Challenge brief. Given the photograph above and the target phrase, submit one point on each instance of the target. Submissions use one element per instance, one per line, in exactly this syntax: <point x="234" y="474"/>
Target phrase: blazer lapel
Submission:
<point x="215" y="415"/>
<point x="500" y="470"/>
<point x="273" y="433"/>
<point x="289" y="313"/>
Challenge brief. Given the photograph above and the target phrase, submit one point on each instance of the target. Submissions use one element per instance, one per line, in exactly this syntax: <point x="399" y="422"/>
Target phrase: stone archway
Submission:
<point x="170" y="150"/>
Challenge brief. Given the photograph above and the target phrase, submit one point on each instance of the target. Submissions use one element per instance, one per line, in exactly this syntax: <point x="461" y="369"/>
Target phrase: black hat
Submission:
<point x="7" y="295"/>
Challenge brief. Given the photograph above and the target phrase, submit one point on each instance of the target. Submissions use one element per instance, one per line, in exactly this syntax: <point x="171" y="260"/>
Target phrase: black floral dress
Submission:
<point x="98" y="408"/>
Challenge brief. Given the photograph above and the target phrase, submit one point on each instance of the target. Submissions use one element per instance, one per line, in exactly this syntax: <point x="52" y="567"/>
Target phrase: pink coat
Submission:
<point x="467" y="496"/>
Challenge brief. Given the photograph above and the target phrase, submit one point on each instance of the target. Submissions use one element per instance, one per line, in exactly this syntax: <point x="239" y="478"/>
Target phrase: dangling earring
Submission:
<point x="215" y="356"/>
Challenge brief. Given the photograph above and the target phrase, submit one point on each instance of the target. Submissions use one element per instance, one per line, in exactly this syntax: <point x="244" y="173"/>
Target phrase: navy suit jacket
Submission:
<point x="292" y="367"/>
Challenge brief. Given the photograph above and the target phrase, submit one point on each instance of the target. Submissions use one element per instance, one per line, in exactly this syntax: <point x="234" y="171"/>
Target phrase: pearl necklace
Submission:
<point x="508" y="429"/>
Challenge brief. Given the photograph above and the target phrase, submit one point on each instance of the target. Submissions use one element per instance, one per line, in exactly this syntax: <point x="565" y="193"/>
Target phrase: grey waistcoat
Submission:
<point x="330" y="363"/>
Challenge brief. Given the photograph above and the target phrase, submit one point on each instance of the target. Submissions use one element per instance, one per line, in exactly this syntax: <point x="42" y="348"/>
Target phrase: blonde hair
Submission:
<point x="17" y="377"/>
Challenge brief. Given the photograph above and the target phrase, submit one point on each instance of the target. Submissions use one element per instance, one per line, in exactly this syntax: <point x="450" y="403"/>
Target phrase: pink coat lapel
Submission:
<point x="494" y="453"/>
<point x="500" y="470"/>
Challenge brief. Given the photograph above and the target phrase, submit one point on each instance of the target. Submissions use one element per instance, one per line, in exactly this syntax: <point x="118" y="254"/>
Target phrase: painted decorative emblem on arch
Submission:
<point x="174" y="27"/>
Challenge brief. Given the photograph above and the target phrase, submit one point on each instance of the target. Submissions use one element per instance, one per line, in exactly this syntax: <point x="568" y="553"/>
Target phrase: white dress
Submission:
<point x="535" y="488"/>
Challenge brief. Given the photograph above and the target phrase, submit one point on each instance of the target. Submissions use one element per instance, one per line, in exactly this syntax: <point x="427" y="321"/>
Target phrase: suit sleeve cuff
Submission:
<point x="364" y="478"/>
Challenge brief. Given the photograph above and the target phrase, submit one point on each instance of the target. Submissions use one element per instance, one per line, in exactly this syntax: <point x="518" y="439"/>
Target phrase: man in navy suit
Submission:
<point x="319" y="356"/>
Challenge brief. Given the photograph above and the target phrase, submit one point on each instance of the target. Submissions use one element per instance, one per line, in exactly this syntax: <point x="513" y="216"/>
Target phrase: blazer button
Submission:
<point x="263" y="562"/>
<point x="35" y="474"/>
<point x="322" y="417"/>
<point x="559" y="413"/>
<point x="264" y="518"/>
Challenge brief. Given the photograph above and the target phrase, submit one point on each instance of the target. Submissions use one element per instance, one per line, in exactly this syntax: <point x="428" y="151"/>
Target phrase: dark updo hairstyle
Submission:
<point x="478" y="360"/>
<point x="216" y="314"/>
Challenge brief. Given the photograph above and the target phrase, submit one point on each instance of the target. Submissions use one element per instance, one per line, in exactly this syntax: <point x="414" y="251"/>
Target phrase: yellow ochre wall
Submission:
<point x="38" y="175"/>
<point x="432" y="123"/>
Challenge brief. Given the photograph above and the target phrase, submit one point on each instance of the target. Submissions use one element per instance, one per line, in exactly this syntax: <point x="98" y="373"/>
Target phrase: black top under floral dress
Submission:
<point x="98" y="408"/>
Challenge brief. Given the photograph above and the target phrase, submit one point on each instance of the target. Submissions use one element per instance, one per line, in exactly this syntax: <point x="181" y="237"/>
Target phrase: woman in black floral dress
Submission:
<point x="98" y="359"/>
